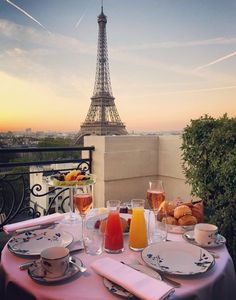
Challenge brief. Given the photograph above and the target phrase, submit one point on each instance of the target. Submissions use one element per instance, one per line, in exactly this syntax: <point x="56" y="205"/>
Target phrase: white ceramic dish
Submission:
<point x="69" y="184"/>
<point x="37" y="273"/>
<point x="189" y="237"/>
<point x="31" y="243"/>
<point x="179" y="229"/>
<point x="91" y="221"/>
<point x="178" y="258"/>
<point x="117" y="289"/>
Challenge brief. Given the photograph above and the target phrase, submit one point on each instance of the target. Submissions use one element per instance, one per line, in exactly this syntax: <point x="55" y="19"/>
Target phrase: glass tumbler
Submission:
<point x="113" y="237"/>
<point x="138" y="229"/>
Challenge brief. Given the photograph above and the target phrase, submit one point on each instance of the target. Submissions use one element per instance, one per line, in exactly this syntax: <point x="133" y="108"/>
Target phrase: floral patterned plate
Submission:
<point x="178" y="258"/>
<point x="189" y="237"/>
<point x="117" y="289"/>
<point x="31" y="243"/>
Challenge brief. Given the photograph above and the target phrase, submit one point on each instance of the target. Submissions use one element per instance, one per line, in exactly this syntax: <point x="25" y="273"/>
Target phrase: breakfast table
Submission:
<point x="217" y="283"/>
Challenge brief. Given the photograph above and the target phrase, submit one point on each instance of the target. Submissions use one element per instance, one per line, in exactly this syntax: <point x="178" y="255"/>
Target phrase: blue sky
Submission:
<point x="170" y="61"/>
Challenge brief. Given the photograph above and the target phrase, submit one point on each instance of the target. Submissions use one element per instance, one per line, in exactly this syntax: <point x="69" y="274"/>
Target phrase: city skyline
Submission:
<point x="170" y="61"/>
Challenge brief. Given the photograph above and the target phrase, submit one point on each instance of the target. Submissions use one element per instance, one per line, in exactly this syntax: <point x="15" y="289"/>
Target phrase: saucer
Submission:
<point x="189" y="237"/>
<point x="117" y="289"/>
<point x="39" y="274"/>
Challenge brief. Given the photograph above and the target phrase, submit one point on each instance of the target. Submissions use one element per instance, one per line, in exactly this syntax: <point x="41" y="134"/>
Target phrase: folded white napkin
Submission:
<point x="32" y="222"/>
<point x="135" y="282"/>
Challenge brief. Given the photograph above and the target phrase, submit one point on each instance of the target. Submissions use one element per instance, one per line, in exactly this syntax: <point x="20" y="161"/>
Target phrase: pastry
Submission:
<point x="169" y="220"/>
<point x="197" y="211"/>
<point x="182" y="210"/>
<point x="187" y="220"/>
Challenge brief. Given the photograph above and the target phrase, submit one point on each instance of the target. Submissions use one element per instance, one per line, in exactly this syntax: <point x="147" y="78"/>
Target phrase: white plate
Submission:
<point x="37" y="273"/>
<point x="179" y="229"/>
<point x="69" y="184"/>
<point x="189" y="237"/>
<point x="117" y="289"/>
<point x="90" y="223"/>
<point x="178" y="258"/>
<point x="31" y="243"/>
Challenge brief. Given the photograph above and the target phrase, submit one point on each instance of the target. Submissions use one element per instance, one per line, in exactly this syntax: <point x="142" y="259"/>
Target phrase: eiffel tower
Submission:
<point x="102" y="117"/>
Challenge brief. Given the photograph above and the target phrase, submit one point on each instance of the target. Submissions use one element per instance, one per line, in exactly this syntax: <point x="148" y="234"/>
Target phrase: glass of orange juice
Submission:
<point x="138" y="228"/>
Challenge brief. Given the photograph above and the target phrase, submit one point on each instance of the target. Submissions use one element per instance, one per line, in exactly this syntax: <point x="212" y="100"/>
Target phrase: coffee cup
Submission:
<point x="205" y="234"/>
<point x="55" y="260"/>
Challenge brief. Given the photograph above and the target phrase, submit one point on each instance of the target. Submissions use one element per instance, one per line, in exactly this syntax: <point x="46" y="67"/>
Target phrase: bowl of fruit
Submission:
<point x="72" y="178"/>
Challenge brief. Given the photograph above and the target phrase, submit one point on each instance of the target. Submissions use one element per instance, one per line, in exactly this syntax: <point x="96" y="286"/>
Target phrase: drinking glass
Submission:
<point x="155" y="197"/>
<point x="114" y="242"/>
<point x="138" y="229"/>
<point x="83" y="199"/>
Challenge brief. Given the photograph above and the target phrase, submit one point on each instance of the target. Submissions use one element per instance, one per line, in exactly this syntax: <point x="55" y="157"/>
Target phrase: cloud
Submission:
<point x="29" y="36"/>
<point x="174" y="44"/>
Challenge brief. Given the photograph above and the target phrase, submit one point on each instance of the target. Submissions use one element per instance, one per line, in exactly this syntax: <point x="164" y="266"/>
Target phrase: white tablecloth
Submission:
<point x="217" y="284"/>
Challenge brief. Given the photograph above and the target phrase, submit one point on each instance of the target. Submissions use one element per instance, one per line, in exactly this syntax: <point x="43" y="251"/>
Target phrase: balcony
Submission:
<point x="123" y="166"/>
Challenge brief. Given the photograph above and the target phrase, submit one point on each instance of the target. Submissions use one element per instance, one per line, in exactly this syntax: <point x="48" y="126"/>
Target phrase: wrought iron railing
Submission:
<point x="18" y="193"/>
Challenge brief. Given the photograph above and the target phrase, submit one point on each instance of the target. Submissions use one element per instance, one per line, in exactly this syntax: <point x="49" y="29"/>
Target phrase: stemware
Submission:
<point x="83" y="200"/>
<point x="155" y="197"/>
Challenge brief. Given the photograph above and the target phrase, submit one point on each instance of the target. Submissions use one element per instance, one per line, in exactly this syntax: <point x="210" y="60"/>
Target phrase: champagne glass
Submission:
<point x="155" y="197"/>
<point x="83" y="200"/>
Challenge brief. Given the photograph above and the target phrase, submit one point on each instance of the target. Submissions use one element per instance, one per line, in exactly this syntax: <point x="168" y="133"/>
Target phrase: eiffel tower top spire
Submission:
<point x="102" y="117"/>
<point x="102" y="84"/>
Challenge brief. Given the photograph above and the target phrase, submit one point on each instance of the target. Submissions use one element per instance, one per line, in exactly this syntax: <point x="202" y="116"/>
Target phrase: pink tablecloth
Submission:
<point x="218" y="284"/>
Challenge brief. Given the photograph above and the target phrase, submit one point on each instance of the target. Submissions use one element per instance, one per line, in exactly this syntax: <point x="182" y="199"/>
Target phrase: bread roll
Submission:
<point x="197" y="211"/>
<point x="182" y="210"/>
<point x="170" y="209"/>
<point x="170" y="220"/>
<point x="187" y="220"/>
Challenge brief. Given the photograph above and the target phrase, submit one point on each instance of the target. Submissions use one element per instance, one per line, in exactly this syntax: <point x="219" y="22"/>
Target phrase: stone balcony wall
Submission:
<point x="125" y="164"/>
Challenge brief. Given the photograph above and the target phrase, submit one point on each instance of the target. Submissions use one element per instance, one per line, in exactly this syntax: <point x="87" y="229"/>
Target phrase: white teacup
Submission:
<point x="55" y="260"/>
<point x="205" y="234"/>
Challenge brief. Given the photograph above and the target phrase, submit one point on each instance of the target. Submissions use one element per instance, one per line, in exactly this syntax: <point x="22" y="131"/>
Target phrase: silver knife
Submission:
<point x="154" y="274"/>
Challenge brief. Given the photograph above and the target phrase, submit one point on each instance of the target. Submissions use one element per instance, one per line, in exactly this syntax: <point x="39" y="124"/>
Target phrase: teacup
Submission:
<point x="55" y="260"/>
<point x="205" y="234"/>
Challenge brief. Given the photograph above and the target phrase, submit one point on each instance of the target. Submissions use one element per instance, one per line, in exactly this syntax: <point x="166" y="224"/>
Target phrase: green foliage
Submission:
<point x="209" y="163"/>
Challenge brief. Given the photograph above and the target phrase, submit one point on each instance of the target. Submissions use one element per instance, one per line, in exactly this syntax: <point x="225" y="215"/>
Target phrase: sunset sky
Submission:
<point x="170" y="61"/>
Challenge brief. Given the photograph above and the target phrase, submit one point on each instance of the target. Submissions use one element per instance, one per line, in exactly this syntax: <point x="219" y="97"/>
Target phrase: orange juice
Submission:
<point x="138" y="230"/>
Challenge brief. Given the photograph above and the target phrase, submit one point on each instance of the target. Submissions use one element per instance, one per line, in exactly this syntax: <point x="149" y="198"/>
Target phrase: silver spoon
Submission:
<point x="81" y="267"/>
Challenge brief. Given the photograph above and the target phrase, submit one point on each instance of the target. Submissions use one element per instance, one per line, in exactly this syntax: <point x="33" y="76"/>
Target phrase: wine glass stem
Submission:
<point x="83" y="227"/>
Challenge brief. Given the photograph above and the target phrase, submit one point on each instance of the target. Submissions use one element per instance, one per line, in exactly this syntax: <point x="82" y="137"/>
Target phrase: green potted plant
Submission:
<point x="209" y="164"/>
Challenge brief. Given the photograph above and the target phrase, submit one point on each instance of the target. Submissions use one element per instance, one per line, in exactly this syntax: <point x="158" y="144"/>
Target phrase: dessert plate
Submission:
<point x="117" y="289"/>
<point x="189" y="237"/>
<point x="31" y="243"/>
<point x="39" y="274"/>
<point x="91" y="222"/>
<point x="178" y="258"/>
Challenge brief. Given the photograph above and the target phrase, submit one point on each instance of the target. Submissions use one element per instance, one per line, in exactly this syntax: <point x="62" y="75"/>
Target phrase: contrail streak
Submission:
<point x="28" y="15"/>
<point x="83" y="15"/>
<point x="81" y="18"/>
<point x="216" y="61"/>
